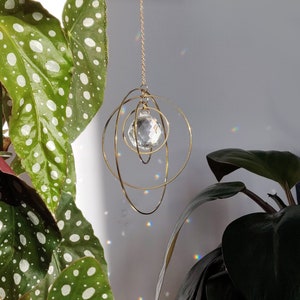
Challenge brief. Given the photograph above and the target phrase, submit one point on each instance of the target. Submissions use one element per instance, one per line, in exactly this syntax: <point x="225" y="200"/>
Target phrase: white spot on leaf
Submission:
<point x="69" y="112"/>
<point x="36" y="46"/>
<point x="51" y="105"/>
<point x="9" y="4"/>
<point x="11" y="59"/>
<point x="61" y="224"/>
<point x="2" y="293"/>
<point x="65" y="290"/>
<point x="52" y="33"/>
<point x="88" y="293"/>
<point x="89" y="42"/>
<point x="74" y="238"/>
<point x="84" y="79"/>
<point x="33" y="217"/>
<point x="95" y="3"/>
<point x="36" y="78"/>
<point x="17" y="278"/>
<point x="36" y="168"/>
<point x="24" y="265"/>
<point x="91" y="271"/>
<point x="68" y="257"/>
<point x="78" y="3"/>
<point x="86" y="95"/>
<point x="41" y="238"/>
<point x="54" y="175"/>
<point x="21" y="81"/>
<point x="28" y="107"/>
<point x="50" y="145"/>
<point x="25" y="129"/>
<point x="18" y="28"/>
<point x="52" y="66"/>
<point x="23" y="240"/>
<point x="37" y="16"/>
<point x="88" y="22"/>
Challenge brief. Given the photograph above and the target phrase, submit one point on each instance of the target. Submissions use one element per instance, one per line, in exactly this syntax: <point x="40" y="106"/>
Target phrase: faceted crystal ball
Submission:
<point x="149" y="131"/>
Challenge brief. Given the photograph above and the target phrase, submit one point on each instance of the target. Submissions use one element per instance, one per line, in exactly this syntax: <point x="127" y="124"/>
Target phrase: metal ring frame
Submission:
<point x="142" y="99"/>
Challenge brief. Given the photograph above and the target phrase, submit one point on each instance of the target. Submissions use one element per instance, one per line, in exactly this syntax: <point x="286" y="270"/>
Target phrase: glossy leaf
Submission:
<point x="36" y="68"/>
<point x="261" y="254"/>
<point x="282" y="167"/>
<point x="78" y="241"/>
<point x="93" y="282"/>
<point x="213" y="192"/>
<point x="28" y="236"/>
<point x="194" y="285"/>
<point x="85" y="25"/>
<point x="220" y="287"/>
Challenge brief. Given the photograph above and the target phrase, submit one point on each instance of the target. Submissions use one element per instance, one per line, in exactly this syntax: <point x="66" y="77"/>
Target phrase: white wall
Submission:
<point x="234" y="67"/>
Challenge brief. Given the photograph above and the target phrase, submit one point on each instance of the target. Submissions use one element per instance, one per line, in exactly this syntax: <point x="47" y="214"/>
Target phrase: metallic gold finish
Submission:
<point x="142" y="103"/>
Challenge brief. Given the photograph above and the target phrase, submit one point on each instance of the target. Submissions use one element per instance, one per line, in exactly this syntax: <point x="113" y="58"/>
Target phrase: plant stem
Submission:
<point x="278" y="200"/>
<point x="263" y="204"/>
<point x="289" y="195"/>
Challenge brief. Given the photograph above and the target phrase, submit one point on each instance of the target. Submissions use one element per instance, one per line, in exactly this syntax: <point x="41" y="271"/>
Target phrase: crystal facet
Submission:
<point x="149" y="131"/>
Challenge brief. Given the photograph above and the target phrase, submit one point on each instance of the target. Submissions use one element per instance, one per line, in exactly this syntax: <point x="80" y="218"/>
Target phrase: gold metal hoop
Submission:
<point x="116" y="174"/>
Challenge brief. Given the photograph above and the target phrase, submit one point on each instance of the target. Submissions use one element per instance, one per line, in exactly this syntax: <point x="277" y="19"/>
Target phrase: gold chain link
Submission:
<point x="143" y="58"/>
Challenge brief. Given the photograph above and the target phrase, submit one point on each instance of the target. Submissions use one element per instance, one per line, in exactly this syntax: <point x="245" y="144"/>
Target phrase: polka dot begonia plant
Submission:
<point x="52" y="80"/>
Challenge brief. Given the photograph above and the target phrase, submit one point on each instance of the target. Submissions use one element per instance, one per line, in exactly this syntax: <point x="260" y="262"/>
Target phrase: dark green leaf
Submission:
<point x="83" y="279"/>
<point x="213" y="192"/>
<point x="36" y="67"/>
<point x="282" y="167"/>
<point x="85" y="24"/>
<point x="194" y="285"/>
<point x="28" y="236"/>
<point x="261" y="254"/>
<point x="220" y="287"/>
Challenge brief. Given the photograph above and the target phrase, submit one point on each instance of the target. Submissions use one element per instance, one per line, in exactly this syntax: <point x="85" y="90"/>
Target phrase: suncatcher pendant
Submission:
<point x="142" y="137"/>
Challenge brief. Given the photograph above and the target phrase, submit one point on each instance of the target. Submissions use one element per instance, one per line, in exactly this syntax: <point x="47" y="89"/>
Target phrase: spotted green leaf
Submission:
<point x="78" y="241"/>
<point x="36" y="68"/>
<point x="28" y="236"/>
<point x="85" y="25"/>
<point x="93" y="282"/>
<point x="78" y="235"/>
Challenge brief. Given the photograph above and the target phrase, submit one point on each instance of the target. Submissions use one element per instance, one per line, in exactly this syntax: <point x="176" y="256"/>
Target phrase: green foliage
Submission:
<point x="85" y="25"/>
<point x="28" y="236"/>
<point x="259" y="255"/>
<point x="78" y="242"/>
<point x="93" y="282"/>
<point x="52" y="83"/>
<point x="36" y="62"/>
<point x="270" y="262"/>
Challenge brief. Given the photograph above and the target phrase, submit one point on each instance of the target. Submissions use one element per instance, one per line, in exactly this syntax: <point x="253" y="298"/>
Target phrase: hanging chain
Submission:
<point x="143" y="59"/>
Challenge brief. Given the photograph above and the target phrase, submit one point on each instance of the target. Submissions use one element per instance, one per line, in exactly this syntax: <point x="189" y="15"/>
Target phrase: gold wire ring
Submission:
<point x="122" y="183"/>
<point x="118" y="111"/>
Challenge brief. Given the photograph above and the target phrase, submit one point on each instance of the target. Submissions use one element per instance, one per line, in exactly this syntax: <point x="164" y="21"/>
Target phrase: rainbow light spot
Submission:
<point x="149" y="224"/>
<point x="183" y="51"/>
<point x="235" y="129"/>
<point x="146" y="192"/>
<point x="140" y="298"/>
<point x="188" y="221"/>
<point x="138" y="36"/>
<point x="197" y="256"/>
<point x="108" y="242"/>
<point x="156" y="176"/>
